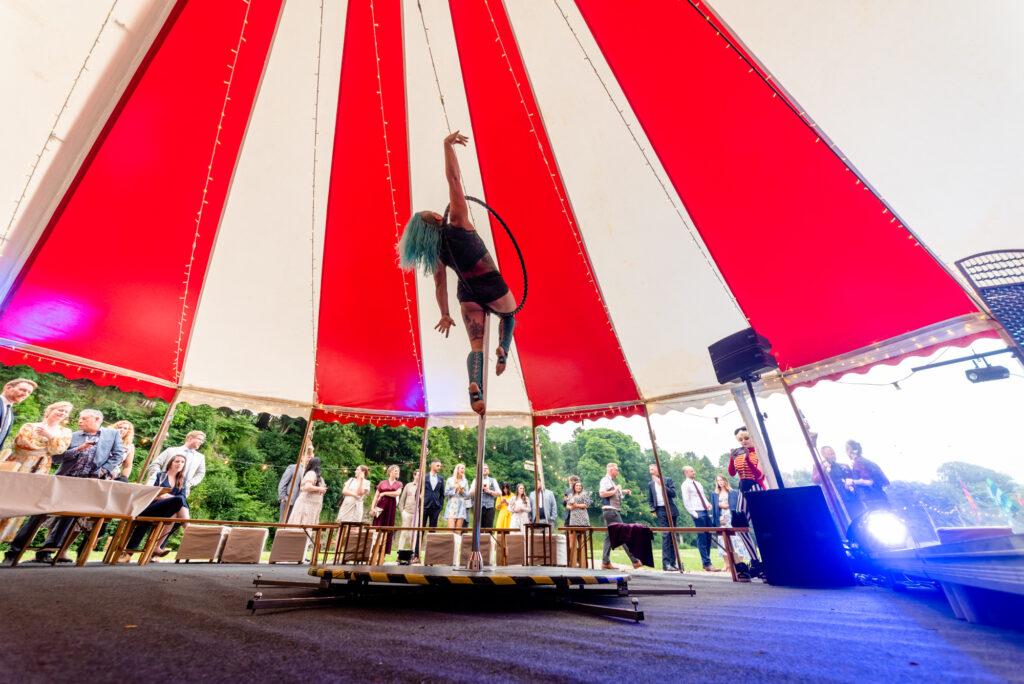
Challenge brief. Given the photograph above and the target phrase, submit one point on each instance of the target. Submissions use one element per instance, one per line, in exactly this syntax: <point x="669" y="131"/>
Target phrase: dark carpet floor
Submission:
<point x="188" y="623"/>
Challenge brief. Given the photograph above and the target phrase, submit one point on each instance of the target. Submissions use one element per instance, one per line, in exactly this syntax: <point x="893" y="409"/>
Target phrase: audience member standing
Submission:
<point x="310" y="498"/>
<point x="385" y="503"/>
<point x="126" y="429"/>
<point x="407" y="506"/>
<point x="15" y="392"/>
<point x="573" y="479"/>
<point x="35" y="445"/>
<point x="611" y="513"/>
<point x="543" y="508"/>
<point x="93" y="452"/>
<point x="579" y="502"/>
<point x="354" y="490"/>
<point x="520" y="508"/>
<point x="433" y="501"/>
<point x="489" y="493"/>
<point x="284" y="485"/>
<point x="656" y="502"/>
<point x="724" y="501"/>
<point x="867" y="479"/>
<point x="456" y="490"/>
<point x="701" y="510"/>
<point x="502" y="504"/>
<point x="195" y="462"/>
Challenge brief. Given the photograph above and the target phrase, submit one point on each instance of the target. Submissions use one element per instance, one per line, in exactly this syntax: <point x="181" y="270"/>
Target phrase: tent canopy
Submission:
<point x="218" y="200"/>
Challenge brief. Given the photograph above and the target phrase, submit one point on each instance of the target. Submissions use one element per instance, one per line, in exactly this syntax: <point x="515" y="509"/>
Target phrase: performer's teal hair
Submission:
<point x="420" y="245"/>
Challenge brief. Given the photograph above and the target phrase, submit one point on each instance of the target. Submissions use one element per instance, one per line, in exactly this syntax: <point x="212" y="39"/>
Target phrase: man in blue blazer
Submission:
<point x="433" y="501"/>
<point x="656" y="503"/>
<point x="94" y="451"/>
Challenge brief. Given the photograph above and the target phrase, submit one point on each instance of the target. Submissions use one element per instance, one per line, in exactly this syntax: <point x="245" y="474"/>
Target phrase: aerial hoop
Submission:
<point x="522" y="262"/>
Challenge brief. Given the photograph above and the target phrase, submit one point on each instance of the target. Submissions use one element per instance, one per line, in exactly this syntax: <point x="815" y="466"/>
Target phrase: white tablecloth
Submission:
<point x="31" y="494"/>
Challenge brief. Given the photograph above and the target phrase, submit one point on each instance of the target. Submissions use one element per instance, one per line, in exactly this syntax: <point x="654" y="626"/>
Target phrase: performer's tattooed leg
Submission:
<point x="475" y="366"/>
<point x="506" y="325"/>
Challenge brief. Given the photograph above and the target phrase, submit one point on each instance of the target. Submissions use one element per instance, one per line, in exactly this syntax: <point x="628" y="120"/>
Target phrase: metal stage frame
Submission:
<point x="352" y="584"/>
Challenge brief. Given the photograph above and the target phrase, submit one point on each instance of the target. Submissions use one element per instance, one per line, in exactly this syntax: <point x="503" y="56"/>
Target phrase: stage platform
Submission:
<point x="442" y="575"/>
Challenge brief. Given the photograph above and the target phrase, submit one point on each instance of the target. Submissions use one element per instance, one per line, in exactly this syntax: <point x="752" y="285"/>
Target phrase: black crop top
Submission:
<point x="465" y="246"/>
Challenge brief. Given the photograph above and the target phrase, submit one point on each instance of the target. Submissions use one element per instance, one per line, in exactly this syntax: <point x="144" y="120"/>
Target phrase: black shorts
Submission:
<point x="482" y="289"/>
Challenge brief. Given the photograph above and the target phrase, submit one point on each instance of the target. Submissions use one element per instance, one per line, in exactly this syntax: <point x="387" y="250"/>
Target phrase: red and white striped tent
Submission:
<point x="206" y="195"/>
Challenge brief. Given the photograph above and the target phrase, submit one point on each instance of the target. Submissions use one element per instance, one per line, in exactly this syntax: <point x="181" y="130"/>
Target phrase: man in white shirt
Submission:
<point x="195" y="462"/>
<point x="698" y="506"/>
<point x="487" y="496"/>
<point x="611" y="512"/>
<point x="15" y="392"/>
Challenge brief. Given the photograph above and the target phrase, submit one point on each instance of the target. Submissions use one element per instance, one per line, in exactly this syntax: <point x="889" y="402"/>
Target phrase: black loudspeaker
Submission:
<point x="741" y="355"/>
<point x="799" y="543"/>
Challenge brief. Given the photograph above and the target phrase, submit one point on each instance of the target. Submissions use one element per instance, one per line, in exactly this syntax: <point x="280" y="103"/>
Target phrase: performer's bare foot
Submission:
<point x="499" y="367"/>
<point x="476" y="399"/>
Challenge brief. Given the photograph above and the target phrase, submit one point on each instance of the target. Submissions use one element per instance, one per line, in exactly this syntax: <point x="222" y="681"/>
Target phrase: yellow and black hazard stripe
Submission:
<point x="335" y="573"/>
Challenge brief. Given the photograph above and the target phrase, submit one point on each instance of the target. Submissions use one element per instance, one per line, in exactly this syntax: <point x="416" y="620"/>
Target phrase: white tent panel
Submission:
<point x="923" y="96"/>
<point x="653" y="269"/>
<point x="444" y="360"/>
<point x="65" y="65"/>
<point x="254" y="330"/>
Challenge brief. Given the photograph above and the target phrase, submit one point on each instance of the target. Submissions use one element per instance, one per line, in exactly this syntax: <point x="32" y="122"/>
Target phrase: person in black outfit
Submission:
<point x="657" y="506"/>
<point x="866" y="480"/>
<point x="435" y="246"/>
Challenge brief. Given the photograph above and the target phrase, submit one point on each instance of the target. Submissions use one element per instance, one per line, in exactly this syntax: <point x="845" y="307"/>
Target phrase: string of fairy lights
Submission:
<point x="52" y="135"/>
<point x="647" y="161"/>
<point x="409" y="301"/>
<point x="313" y="223"/>
<point x="182" y="319"/>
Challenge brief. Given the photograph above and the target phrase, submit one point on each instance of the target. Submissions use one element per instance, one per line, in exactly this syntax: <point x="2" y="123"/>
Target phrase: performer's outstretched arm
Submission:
<point x="441" y="294"/>
<point x="459" y="213"/>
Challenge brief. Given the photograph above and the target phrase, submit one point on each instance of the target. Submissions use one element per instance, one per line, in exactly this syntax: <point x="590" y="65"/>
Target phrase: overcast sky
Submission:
<point x="936" y="416"/>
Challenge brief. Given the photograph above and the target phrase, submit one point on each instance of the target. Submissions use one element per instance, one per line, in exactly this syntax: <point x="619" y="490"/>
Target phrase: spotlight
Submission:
<point x="879" y="530"/>
<point x="986" y="373"/>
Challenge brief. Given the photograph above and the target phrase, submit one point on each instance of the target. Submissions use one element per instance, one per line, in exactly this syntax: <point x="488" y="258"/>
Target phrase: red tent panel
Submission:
<point x="816" y="261"/>
<point x="74" y="371"/>
<point x="118" y="272"/>
<point x="368" y="344"/>
<point x="570" y="355"/>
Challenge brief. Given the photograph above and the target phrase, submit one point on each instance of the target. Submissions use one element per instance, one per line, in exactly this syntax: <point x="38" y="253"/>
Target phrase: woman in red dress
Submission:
<point x="385" y="502"/>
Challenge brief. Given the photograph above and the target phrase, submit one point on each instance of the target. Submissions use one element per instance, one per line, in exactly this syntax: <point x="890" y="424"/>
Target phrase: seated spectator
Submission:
<point x="127" y="432"/>
<point x="94" y="452"/>
<point x="172" y="504"/>
<point x="195" y="462"/>
<point x="35" y="445"/>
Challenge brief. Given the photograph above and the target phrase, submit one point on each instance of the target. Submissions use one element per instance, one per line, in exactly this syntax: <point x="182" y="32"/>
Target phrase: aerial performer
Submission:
<point x="434" y="244"/>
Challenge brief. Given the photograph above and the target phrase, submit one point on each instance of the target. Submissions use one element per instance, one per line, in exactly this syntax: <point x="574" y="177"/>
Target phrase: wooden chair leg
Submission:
<point x="68" y="541"/>
<point x="90" y="542"/>
<point x="729" y="556"/>
<point x="35" y="531"/>
<point x="154" y="535"/>
<point x="113" y="542"/>
<point x="316" y="544"/>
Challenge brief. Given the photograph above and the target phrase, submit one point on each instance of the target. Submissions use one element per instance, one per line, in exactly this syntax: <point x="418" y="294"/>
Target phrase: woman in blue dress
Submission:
<point x="456" y="490"/>
<point x="172" y="504"/>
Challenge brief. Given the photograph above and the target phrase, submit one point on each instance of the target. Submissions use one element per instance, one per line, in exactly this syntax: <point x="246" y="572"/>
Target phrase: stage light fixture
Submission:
<point x="879" y="530"/>
<point x="986" y="373"/>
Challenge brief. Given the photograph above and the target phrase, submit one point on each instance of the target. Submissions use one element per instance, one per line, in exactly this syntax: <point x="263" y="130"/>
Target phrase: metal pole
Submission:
<point x="764" y="433"/>
<point x="419" y="488"/>
<point x="161" y="434"/>
<point x="536" y="460"/>
<point x="307" y="438"/>
<point x="835" y="503"/>
<point x="664" y="492"/>
<point x="475" y="561"/>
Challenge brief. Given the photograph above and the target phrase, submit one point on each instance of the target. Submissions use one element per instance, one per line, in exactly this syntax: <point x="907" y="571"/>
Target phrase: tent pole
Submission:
<point x="835" y="503"/>
<point x="664" y="491"/>
<point x="764" y="434"/>
<point x="536" y="460"/>
<point x="475" y="561"/>
<point x="161" y="434"/>
<point x="416" y="522"/>
<point x="307" y="439"/>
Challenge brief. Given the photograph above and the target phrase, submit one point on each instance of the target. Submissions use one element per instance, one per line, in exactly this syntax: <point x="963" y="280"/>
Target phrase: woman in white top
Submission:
<point x="123" y="471"/>
<point x="520" y="508"/>
<point x="355" y="490"/>
<point x="456" y="490"/>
